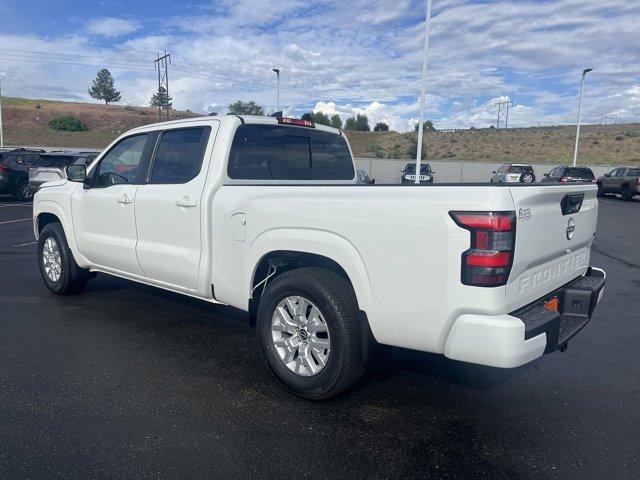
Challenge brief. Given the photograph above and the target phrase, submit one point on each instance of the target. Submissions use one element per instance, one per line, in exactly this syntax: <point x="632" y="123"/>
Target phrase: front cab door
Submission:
<point x="103" y="211"/>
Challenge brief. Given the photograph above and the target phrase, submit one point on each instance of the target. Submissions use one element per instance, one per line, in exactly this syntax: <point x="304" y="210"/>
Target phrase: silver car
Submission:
<point x="51" y="167"/>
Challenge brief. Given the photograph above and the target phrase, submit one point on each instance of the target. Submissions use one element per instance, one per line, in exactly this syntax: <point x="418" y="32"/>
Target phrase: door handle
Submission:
<point x="186" y="202"/>
<point x="124" y="199"/>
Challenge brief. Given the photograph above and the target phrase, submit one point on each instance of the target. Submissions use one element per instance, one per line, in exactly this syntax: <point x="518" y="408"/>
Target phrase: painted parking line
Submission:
<point x="24" y="244"/>
<point x="14" y="221"/>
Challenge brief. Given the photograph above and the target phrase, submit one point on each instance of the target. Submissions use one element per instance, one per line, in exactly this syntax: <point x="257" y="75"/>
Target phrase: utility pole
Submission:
<point x="425" y="52"/>
<point x="162" y="63"/>
<point x="503" y="112"/>
<point x="575" y="151"/>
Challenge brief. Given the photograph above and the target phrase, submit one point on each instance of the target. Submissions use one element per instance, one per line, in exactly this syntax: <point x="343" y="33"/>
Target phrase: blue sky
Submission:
<point x="337" y="56"/>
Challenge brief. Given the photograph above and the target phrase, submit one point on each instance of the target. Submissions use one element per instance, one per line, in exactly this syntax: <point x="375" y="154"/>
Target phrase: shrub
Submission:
<point x="68" y="123"/>
<point x="38" y="106"/>
<point x="619" y="138"/>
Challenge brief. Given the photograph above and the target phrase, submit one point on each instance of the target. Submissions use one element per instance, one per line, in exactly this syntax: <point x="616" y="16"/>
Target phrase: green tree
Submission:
<point x="336" y="121"/>
<point x="381" y="127"/>
<point x="351" y="124"/>
<point x="317" y="117"/>
<point x="161" y="99"/>
<point x="427" y="126"/>
<point x="363" y="123"/>
<point x="240" y="107"/>
<point x="103" y="87"/>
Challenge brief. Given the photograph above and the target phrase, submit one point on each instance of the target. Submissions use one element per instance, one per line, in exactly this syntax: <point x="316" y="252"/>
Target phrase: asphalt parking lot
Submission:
<point x="126" y="381"/>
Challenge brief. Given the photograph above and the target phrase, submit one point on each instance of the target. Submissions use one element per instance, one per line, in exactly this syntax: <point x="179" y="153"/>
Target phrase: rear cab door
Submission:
<point x="555" y="228"/>
<point x="168" y="204"/>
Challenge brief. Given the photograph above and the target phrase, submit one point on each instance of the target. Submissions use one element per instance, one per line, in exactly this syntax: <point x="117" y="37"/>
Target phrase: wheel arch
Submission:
<point x="295" y="248"/>
<point x="45" y="212"/>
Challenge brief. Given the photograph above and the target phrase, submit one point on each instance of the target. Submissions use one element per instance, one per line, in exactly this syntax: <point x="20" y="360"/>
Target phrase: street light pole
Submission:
<point x="575" y="151"/>
<point x="425" y="51"/>
<point x="277" y="72"/>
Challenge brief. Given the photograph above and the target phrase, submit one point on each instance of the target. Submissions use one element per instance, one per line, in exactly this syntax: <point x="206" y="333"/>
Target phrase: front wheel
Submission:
<point x="309" y="332"/>
<point x="625" y="194"/>
<point x="59" y="270"/>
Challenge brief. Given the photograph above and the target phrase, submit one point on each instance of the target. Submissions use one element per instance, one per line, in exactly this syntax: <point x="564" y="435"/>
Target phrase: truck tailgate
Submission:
<point x="552" y="246"/>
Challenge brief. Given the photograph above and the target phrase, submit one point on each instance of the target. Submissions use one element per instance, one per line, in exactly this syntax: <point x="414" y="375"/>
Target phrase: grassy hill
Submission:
<point x="26" y="123"/>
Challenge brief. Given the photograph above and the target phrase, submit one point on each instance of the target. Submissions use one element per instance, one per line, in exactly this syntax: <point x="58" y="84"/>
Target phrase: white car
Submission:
<point x="513" y="173"/>
<point x="265" y="215"/>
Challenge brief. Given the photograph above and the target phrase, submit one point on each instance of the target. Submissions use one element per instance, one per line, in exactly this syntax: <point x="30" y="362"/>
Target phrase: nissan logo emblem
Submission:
<point x="571" y="228"/>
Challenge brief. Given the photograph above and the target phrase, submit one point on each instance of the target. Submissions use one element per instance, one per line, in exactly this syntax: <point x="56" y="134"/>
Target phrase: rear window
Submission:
<point x="521" y="168"/>
<point x="55" y="161"/>
<point x="580" y="172"/>
<point x="411" y="168"/>
<point x="275" y="152"/>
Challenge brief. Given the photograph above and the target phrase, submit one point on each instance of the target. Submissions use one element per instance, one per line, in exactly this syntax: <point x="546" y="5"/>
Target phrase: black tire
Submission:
<point x="334" y="297"/>
<point x="22" y="192"/>
<point x="527" y="178"/>
<point x="72" y="278"/>
<point x="626" y="194"/>
<point x="600" y="190"/>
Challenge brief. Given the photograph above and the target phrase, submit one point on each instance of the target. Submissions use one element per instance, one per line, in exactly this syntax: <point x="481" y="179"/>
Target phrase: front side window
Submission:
<point x="121" y="164"/>
<point x="178" y="158"/>
<point x="275" y="152"/>
<point x="619" y="172"/>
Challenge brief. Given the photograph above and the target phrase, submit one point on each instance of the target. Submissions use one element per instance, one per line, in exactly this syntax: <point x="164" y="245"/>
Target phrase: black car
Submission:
<point x="408" y="173"/>
<point x="14" y="168"/>
<point x="569" y="174"/>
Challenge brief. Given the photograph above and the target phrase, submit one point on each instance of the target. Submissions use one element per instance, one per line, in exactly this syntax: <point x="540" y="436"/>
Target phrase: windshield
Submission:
<point x="411" y="168"/>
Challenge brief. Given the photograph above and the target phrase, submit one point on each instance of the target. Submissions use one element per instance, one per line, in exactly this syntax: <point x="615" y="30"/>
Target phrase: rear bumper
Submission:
<point x="511" y="340"/>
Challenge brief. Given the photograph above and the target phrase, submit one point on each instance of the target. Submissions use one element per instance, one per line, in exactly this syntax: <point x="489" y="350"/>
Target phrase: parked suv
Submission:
<point x="622" y="180"/>
<point x="14" y="165"/>
<point x="513" y="173"/>
<point x="569" y="174"/>
<point x="50" y="167"/>
<point x="409" y="173"/>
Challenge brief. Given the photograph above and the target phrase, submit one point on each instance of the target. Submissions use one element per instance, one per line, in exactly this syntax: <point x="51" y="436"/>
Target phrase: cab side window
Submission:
<point x="122" y="162"/>
<point x="179" y="155"/>
<point x="619" y="172"/>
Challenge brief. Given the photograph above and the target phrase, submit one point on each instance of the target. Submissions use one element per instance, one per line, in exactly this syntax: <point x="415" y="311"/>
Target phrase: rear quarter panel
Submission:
<point x="398" y="245"/>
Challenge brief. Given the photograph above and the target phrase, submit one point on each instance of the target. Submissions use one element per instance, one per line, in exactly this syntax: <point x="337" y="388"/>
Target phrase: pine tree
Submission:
<point x="161" y="99"/>
<point x="103" y="87"/>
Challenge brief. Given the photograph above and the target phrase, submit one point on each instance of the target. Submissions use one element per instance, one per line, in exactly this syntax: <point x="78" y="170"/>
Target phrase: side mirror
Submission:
<point x="608" y="175"/>
<point x="76" y="173"/>
<point x="545" y="174"/>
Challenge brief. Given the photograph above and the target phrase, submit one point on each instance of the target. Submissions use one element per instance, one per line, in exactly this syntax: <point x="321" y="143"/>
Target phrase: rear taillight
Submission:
<point x="3" y="167"/>
<point x="564" y="179"/>
<point x="638" y="181"/>
<point x="493" y="234"/>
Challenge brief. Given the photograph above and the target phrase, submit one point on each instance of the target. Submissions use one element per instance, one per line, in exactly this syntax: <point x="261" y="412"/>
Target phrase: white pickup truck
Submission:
<point x="265" y="215"/>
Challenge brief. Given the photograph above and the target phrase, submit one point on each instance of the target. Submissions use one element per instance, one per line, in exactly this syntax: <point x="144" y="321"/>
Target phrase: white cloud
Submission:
<point x="112" y="27"/>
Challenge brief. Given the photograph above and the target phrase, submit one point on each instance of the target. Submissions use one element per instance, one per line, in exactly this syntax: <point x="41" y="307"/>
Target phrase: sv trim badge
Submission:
<point x="571" y="228"/>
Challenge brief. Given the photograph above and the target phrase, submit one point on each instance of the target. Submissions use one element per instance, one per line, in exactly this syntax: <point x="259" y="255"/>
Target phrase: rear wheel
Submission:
<point x="309" y="332"/>
<point x="22" y="192"/>
<point x="600" y="190"/>
<point x="527" y="178"/>
<point x="59" y="270"/>
<point x="626" y="194"/>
